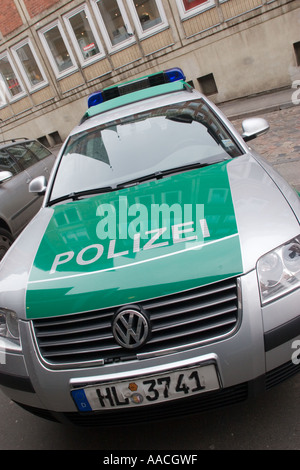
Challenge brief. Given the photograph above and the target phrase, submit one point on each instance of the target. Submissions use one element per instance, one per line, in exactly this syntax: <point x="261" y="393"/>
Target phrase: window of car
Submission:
<point x="22" y="155"/>
<point x="39" y="150"/>
<point x="146" y="143"/>
<point x="7" y="163"/>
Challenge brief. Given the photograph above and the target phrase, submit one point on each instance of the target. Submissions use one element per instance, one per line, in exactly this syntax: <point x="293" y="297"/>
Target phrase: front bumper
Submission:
<point x="255" y="358"/>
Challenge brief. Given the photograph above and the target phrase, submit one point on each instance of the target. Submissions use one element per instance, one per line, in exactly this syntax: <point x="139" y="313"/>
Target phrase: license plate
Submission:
<point x="147" y="390"/>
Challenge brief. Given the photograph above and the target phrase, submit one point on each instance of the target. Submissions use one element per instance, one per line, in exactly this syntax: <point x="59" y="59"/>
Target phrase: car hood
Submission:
<point x="196" y="227"/>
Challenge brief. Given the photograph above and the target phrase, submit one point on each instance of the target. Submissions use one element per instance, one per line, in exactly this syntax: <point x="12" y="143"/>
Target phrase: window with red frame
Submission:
<point x="189" y="4"/>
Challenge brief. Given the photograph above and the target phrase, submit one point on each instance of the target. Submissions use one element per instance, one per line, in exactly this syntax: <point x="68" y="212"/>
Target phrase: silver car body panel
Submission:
<point x="263" y="216"/>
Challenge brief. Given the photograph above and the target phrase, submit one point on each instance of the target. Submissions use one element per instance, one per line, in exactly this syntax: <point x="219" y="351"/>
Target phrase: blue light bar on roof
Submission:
<point x="95" y="98"/>
<point x="174" y="74"/>
<point x="160" y="78"/>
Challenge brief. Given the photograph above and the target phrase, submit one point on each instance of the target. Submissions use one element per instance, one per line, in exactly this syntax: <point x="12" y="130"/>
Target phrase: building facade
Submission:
<point x="54" y="53"/>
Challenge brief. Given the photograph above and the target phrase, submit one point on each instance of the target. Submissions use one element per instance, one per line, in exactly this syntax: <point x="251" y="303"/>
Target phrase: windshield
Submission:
<point x="143" y="144"/>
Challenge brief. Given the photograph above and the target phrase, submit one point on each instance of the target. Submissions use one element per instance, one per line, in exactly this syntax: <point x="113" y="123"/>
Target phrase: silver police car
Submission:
<point x="162" y="274"/>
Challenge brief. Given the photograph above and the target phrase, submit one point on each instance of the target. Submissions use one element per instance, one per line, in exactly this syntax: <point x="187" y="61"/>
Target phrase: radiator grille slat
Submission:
<point x="181" y="321"/>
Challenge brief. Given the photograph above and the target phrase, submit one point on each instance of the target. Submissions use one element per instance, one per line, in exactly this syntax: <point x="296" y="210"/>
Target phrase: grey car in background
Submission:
<point x="21" y="160"/>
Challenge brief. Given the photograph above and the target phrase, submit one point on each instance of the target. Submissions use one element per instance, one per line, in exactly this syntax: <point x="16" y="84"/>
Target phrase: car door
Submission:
<point x="15" y="200"/>
<point x="34" y="160"/>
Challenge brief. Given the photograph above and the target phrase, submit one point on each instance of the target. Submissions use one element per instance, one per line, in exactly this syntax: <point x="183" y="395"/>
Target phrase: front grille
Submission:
<point x="179" y="321"/>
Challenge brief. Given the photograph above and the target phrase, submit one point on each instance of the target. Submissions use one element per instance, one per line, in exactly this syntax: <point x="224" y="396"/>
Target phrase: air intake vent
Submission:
<point x="179" y="322"/>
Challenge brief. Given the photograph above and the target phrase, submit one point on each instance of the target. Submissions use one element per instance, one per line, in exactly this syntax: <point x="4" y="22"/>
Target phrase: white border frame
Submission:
<point x="155" y="29"/>
<point x="193" y="11"/>
<point x="121" y="45"/>
<point x="4" y="91"/>
<point x="49" y="54"/>
<point x="30" y="87"/>
<point x="67" y="17"/>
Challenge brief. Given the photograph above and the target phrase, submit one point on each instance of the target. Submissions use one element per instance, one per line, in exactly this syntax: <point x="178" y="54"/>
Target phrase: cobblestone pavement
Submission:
<point x="281" y="145"/>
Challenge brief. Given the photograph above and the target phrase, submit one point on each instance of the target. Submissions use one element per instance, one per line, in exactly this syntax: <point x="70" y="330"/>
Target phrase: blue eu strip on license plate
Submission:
<point x="81" y="400"/>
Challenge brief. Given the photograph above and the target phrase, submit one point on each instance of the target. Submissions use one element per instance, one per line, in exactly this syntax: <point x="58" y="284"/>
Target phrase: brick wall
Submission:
<point x="9" y="17"/>
<point x="34" y="7"/>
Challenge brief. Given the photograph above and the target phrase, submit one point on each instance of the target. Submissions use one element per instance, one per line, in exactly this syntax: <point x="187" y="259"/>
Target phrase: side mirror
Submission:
<point x="38" y="185"/>
<point x="254" y="127"/>
<point x="5" y="175"/>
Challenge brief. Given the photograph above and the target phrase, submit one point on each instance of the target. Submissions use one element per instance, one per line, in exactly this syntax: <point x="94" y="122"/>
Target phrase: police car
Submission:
<point x="161" y="275"/>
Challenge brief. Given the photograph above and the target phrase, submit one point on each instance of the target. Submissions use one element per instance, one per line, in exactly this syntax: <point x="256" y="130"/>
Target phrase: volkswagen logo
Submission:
<point x="131" y="328"/>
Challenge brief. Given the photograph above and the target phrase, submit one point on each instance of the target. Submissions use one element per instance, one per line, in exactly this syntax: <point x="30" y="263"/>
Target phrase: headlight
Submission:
<point x="279" y="270"/>
<point x="9" y="326"/>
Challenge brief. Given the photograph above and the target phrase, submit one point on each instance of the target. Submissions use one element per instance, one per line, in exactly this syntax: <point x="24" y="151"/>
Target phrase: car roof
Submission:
<point x="11" y="142"/>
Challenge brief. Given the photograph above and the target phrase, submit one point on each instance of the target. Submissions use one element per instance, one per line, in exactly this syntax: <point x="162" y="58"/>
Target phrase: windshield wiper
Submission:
<point x="160" y="174"/>
<point x="141" y="179"/>
<point x="126" y="184"/>
<point x="78" y="194"/>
